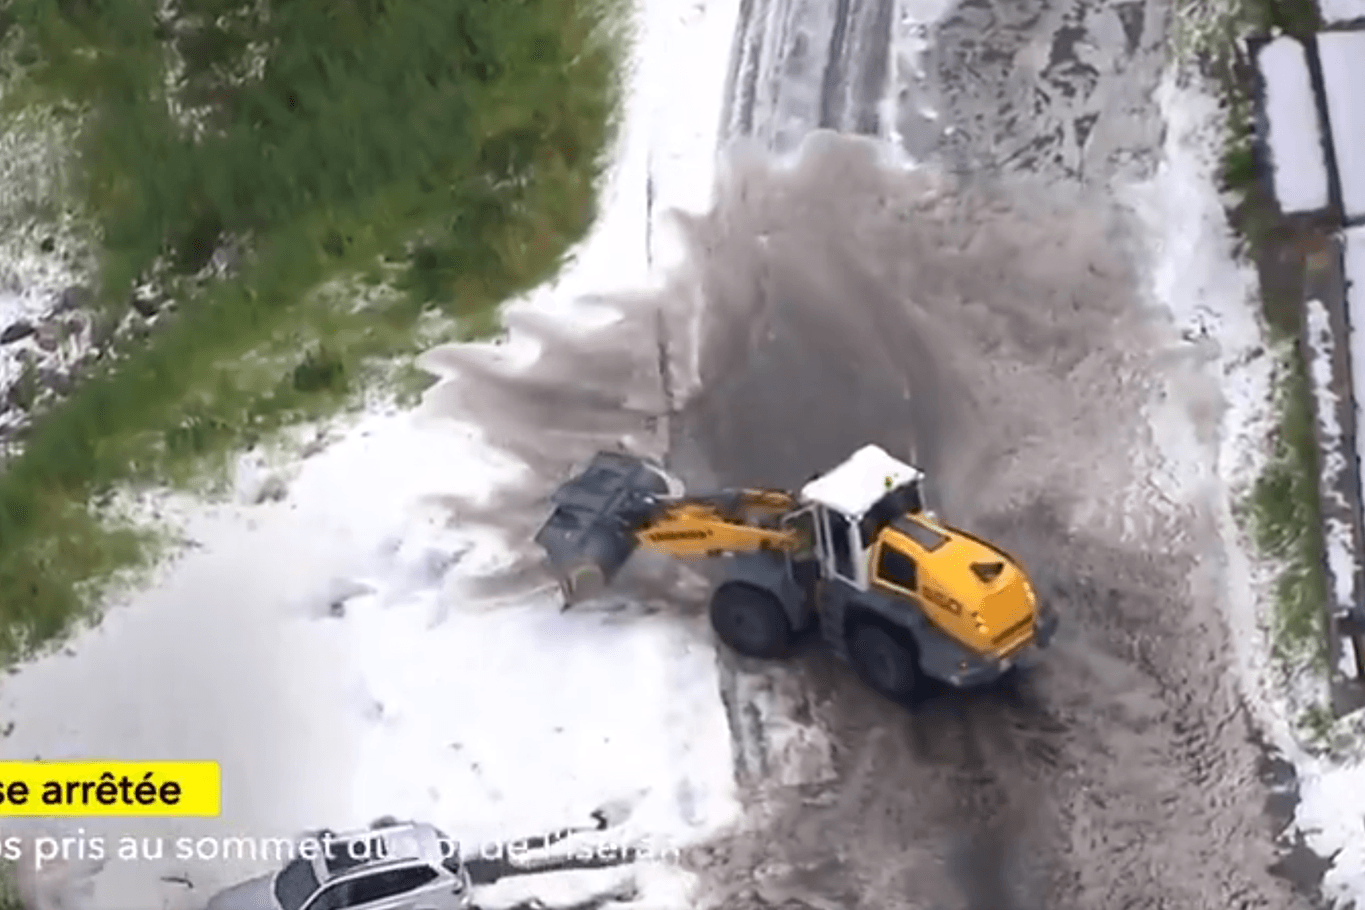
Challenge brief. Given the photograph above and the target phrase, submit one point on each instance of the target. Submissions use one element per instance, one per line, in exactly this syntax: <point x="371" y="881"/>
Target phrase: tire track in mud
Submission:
<point x="799" y="65"/>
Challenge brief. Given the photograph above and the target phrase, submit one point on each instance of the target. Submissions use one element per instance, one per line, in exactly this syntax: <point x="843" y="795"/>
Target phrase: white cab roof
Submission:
<point x="855" y="485"/>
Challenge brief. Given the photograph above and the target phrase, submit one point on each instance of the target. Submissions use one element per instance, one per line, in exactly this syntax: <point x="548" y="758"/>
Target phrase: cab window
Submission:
<point x="804" y="525"/>
<point x="839" y="530"/>
<point x="897" y="570"/>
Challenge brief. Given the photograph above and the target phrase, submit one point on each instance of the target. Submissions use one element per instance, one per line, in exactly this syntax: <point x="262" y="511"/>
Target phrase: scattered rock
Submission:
<point x="272" y="489"/>
<point x="17" y="331"/>
<point x="145" y="306"/>
<point x="314" y="446"/>
<point x="102" y="332"/>
<point x="75" y="297"/>
<point x="54" y="380"/>
<point x="338" y="594"/>
<point x="47" y="337"/>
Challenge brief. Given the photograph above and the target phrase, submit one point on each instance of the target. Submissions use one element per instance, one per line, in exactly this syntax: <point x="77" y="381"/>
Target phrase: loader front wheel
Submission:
<point x="750" y="621"/>
<point x="884" y="663"/>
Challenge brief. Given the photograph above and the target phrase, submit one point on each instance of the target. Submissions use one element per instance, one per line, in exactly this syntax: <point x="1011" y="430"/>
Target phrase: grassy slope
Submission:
<point x="445" y="148"/>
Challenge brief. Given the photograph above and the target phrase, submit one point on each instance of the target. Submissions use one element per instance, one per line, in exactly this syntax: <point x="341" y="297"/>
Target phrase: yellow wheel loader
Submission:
<point x="894" y="591"/>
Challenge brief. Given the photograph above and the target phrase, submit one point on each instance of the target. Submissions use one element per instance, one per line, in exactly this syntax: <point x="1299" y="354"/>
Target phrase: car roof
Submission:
<point x="395" y="844"/>
<point x="854" y="485"/>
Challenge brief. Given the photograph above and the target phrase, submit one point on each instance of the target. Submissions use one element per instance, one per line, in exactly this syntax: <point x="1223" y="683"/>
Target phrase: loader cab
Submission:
<point x="848" y="506"/>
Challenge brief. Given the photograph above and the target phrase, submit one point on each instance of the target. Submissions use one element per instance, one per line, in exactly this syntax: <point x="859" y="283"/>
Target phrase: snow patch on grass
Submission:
<point x="44" y="244"/>
<point x="1339" y="538"/>
<point x="1321" y="342"/>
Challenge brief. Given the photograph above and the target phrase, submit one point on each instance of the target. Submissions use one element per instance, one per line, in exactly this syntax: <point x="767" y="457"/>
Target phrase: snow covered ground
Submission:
<point x="327" y="649"/>
<point x="1343" y="73"/>
<point x="1294" y="133"/>
<point x="1338" y="12"/>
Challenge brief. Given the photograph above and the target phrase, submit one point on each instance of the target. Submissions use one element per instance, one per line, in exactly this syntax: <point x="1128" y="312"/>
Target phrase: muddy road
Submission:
<point x="997" y="333"/>
<point x="987" y="317"/>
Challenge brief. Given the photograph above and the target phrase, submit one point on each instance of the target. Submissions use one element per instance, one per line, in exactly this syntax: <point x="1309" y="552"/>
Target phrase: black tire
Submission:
<point x="883" y="662"/>
<point x="750" y="621"/>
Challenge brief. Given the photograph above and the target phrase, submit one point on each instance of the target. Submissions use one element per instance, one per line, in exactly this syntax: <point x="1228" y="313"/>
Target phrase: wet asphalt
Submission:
<point x="984" y="317"/>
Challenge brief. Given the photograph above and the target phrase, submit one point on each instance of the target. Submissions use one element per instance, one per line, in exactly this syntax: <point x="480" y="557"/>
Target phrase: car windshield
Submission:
<point x="294" y="884"/>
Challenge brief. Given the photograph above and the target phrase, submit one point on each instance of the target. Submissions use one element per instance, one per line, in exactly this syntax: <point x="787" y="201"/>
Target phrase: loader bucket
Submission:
<point x="591" y="531"/>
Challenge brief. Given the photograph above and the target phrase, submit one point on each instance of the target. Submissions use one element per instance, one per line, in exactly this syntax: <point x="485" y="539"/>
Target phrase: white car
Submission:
<point x="400" y="866"/>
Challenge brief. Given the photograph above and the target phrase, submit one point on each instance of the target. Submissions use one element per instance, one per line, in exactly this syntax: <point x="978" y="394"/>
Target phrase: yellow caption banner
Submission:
<point x="110" y="788"/>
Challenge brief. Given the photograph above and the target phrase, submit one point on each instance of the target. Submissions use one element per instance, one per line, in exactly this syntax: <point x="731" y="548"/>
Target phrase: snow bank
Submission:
<point x="1337" y="12"/>
<point x="325" y="646"/>
<point x="1331" y="806"/>
<point x="1343" y="74"/>
<point x="495" y="721"/>
<point x="1294" y="135"/>
<point x="1337" y="532"/>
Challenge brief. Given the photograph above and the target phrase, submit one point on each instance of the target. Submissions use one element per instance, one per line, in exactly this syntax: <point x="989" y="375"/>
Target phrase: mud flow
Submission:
<point x="997" y="336"/>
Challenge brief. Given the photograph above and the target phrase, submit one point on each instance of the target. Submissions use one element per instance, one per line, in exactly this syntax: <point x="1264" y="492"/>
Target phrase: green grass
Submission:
<point x="1286" y="523"/>
<point x="9" y="892"/>
<point x="1316" y="723"/>
<point x="448" y="149"/>
<point x="1209" y="31"/>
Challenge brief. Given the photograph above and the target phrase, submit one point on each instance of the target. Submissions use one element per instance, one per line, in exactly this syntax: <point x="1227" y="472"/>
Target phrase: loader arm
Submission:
<point x="620" y="502"/>
<point x="739" y="521"/>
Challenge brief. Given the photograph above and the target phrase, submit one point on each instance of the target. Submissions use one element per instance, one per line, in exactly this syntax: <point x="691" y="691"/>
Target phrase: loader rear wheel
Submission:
<point x="750" y="621"/>
<point x="885" y="664"/>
